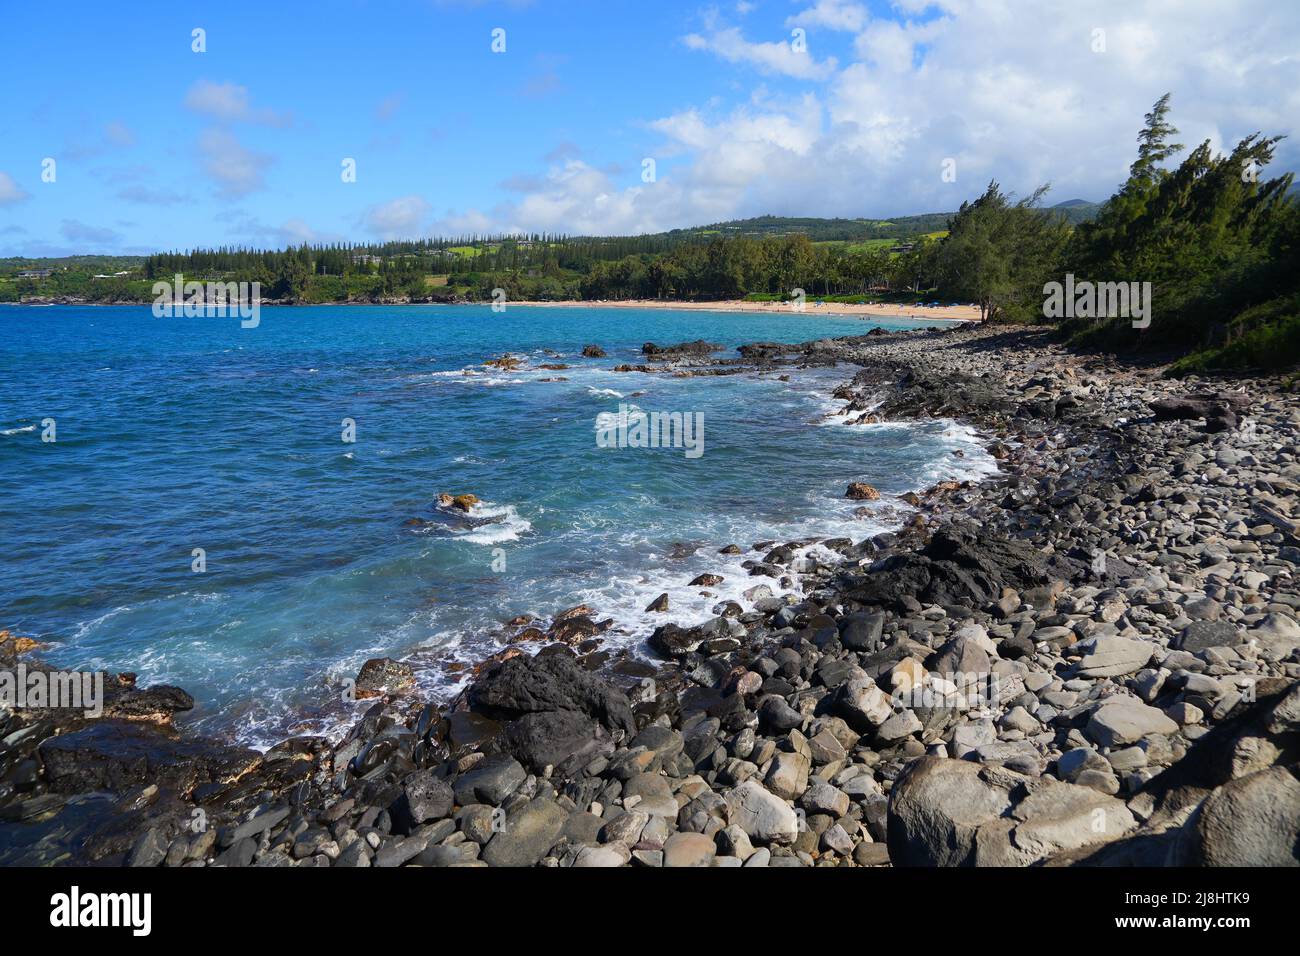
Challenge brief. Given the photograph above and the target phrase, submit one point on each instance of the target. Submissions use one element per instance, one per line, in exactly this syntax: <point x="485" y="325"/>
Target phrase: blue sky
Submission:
<point x="158" y="146"/>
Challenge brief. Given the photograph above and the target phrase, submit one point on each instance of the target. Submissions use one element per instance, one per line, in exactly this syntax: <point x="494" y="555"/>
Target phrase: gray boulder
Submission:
<point x="937" y="807"/>
<point x="1113" y="656"/>
<point x="1200" y="635"/>
<point x="527" y="835"/>
<point x="1277" y="636"/>
<point x="1253" y="821"/>
<point x="1126" y="720"/>
<point x="763" y="816"/>
<point x="945" y="812"/>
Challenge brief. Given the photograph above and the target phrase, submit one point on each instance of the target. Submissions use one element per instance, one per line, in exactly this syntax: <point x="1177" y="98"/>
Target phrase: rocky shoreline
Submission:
<point x="1092" y="657"/>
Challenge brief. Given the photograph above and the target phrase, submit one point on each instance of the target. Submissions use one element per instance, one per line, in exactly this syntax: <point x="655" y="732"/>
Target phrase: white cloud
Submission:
<point x="10" y="191"/>
<point x="471" y="222"/>
<point x="230" y="103"/>
<point x="297" y="231"/>
<point x="775" y="56"/>
<point x="235" y="169"/>
<point x="1011" y="91"/>
<point x="401" y="218"/>
<point x="832" y="14"/>
<point x="292" y="232"/>
<point x="86" y="235"/>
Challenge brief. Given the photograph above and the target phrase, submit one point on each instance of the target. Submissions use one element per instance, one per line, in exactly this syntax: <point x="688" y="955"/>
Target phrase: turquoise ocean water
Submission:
<point x="182" y="434"/>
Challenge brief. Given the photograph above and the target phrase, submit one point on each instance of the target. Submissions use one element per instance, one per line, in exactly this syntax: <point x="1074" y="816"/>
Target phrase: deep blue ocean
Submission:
<point x="194" y="433"/>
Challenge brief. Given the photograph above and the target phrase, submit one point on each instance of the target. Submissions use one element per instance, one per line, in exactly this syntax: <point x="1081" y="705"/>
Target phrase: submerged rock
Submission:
<point x="861" y="491"/>
<point x="464" y="503"/>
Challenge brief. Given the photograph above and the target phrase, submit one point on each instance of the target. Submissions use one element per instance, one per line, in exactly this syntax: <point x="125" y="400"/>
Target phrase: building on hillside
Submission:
<point x="35" y="273"/>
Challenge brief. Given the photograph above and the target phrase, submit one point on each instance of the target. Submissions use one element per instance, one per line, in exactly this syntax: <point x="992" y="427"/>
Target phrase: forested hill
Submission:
<point x="818" y="230"/>
<point x="856" y="230"/>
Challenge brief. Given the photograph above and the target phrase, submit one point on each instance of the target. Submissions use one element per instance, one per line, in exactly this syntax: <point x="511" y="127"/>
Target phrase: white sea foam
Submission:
<point x="18" y="431"/>
<point x="974" y="464"/>
<point x="503" y="523"/>
<point x="86" y="627"/>
<point x="837" y="413"/>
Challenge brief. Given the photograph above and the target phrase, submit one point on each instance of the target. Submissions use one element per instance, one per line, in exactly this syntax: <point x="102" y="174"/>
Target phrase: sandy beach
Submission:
<point x="952" y="313"/>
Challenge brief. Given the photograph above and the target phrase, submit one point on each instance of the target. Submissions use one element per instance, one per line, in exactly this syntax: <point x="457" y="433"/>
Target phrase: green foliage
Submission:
<point x="1217" y="242"/>
<point x="1265" y="336"/>
<point x="999" y="253"/>
<point x="92" y="264"/>
<point x="771" y="267"/>
<point x="1153" y="143"/>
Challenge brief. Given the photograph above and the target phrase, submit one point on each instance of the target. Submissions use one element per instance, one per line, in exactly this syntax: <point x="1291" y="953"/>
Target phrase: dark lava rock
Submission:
<point x="776" y="715"/>
<point x="1015" y="647"/>
<point x="671" y="640"/>
<point x="115" y="754"/>
<point x="159" y="702"/>
<point x="494" y="779"/>
<point x="546" y="739"/>
<point x="697" y="349"/>
<point x="466" y="729"/>
<point x="577" y="628"/>
<point x="149" y="849"/>
<point x="948" y="393"/>
<point x="424" y="798"/>
<point x="241" y="854"/>
<point x="958" y="567"/>
<point x="593" y="351"/>
<point x="1190" y="407"/>
<point x="529" y="685"/>
<point x="259" y="824"/>
<point x="862" y="631"/>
